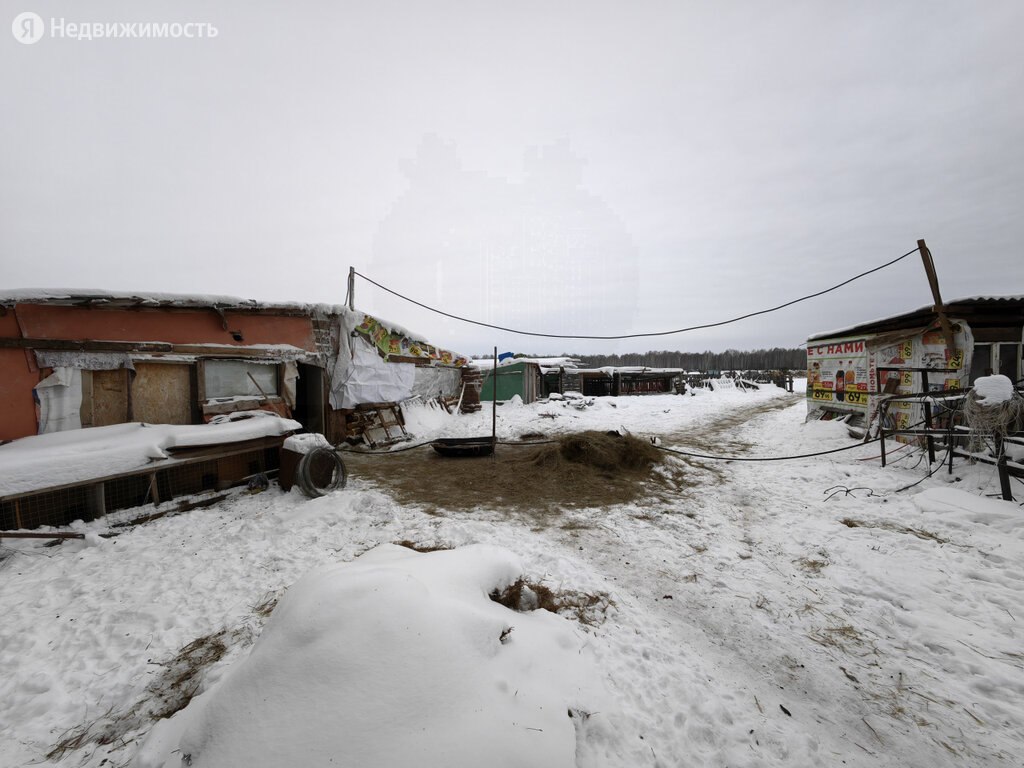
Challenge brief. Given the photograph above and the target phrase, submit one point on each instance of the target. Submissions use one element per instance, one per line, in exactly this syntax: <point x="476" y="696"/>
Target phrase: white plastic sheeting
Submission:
<point x="60" y="400"/>
<point x="362" y="376"/>
<point x="291" y="375"/>
<point x="431" y="382"/>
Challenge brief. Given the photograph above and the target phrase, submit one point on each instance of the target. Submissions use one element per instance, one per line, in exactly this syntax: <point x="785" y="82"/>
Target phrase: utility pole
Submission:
<point x="940" y="308"/>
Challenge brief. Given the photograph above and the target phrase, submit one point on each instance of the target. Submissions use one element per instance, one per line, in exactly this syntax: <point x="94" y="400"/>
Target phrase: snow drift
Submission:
<point x="398" y="658"/>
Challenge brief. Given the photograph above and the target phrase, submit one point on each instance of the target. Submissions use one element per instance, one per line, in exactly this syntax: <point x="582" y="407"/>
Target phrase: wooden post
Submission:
<point x="881" y="427"/>
<point x="494" y="400"/>
<point x="352" y="288"/>
<point x="1004" y="478"/>
<point x="99" y="499"/>
<point x="929" y="440"/>
<point x="154" y="489"/>
<point x="940" y="309"/>
<point x="952" y="443"/>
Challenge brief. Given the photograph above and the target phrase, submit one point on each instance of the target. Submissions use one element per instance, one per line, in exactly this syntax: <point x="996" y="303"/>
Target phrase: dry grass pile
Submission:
<point x="416" y="546"/>
<point x="584" y="607"/>
<point x="586" y="469"/>
<point x="895" y="528"/>
<point x="599" y="451"/>
<point x="171" y="691"/>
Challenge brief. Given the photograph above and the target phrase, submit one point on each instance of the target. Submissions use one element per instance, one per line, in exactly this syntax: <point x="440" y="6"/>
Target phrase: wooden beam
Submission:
<point x="940" y="309"/>
<point x="87" y="346"/>
<point x="143" y="347"/>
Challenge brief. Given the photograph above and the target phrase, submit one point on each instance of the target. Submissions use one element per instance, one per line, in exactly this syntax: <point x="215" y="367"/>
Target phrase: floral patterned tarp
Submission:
<point x="394" y="344"/>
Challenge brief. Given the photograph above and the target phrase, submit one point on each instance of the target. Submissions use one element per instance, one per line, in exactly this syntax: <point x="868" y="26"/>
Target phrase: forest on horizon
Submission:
<point x="776" y="358"/>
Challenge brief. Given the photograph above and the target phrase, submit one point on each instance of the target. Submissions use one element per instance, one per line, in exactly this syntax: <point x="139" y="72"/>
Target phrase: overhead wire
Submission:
<point x="636" y="335"/>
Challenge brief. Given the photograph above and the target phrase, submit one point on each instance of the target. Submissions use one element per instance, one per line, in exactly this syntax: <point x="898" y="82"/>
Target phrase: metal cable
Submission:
<point x="637" y="335"/>
<point x="766" y="458"/>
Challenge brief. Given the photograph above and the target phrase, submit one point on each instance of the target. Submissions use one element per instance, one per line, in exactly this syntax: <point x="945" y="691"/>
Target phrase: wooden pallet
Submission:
<point x="379" y="424"/>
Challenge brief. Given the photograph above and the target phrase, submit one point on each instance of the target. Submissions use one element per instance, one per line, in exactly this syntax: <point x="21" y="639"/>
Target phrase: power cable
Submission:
<point x="765" y="458"/>
<point x="403" y="449"/>
<point x="637" y="335"/>
<point x="432" y="442"/>
<point x="939" y="465"/>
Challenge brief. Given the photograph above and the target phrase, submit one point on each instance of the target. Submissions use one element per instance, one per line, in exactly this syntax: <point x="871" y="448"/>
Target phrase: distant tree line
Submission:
<point x="776" y="358"/>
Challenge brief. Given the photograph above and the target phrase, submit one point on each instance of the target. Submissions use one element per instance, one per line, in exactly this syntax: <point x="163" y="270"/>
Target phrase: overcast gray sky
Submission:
<point x="567" y="167"/>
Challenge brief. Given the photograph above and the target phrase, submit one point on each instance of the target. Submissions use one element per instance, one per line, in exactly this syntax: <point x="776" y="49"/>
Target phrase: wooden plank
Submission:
<point x="109" y="397"/>
<point x="940" y="309"/>
<point x="221" y="450"/>
<point x="146" y="347"/>
<point x="85" y="413"/>
<point x="232" y="406"/>
<point x="422" y="362"/>
<point x="87" y="346"/>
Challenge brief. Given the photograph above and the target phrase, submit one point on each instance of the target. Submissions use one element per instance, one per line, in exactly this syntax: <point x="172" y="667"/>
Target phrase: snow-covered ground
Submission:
<point x="797" y="613"/>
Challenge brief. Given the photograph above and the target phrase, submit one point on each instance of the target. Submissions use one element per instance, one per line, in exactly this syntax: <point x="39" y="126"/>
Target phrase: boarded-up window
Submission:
<point x="161" y="393"/>
<point x="233" y="378"/>
<point x="104" y="397"/>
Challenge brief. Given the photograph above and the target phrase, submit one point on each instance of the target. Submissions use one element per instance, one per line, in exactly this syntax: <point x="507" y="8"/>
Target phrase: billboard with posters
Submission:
<point x="848" y="374"/>
<point x="837" y="373"/>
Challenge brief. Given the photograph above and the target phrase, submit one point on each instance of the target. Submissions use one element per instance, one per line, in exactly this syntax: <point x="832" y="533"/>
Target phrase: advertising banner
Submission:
<point x="849" y="374"/>
<point x="837" y="373"/>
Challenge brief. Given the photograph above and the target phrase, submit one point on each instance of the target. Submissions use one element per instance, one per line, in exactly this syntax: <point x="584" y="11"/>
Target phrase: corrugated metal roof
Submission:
<point x="915" y="316"/>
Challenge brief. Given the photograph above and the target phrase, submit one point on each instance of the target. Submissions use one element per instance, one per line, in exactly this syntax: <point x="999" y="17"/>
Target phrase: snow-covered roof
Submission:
<point x="555" y="362"/>
<point x="924" y="315"/>
<point x="487" y="363"/>
<point x="610" y="369"/>
<point x="100" y="297"/>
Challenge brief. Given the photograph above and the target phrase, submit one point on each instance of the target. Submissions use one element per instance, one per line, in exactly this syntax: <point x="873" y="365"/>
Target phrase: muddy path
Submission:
<point x="714" y="434"/>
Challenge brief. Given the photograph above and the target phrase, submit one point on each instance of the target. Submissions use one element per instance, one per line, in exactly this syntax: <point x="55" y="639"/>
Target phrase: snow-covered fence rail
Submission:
<point x="967" y="426"/>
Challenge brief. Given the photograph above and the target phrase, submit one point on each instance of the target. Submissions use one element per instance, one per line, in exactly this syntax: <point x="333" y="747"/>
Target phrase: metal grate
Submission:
<point x="87" y="501"/>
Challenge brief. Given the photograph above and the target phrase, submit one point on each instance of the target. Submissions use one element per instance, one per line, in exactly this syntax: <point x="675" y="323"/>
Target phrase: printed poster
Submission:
<point x="837" y="373"/>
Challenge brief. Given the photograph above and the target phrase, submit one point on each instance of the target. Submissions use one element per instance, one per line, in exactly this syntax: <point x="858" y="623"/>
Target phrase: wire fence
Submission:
<point x="90" y="500"/>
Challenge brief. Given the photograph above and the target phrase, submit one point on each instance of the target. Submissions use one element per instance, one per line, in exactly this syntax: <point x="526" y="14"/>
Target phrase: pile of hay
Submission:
<point x="605" y="452"/>
<point x="584" y="607"/>
<point x="585" y="469"/>
<point x="993" y="408"/>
